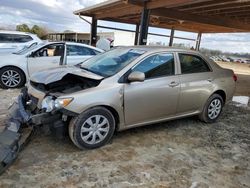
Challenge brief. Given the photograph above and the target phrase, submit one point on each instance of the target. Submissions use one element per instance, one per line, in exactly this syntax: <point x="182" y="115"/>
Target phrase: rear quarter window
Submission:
<point x="6" y="38"/>
<point x="22" y="38"/>
<point x="192" y="64"/>
<point x="14" y="38"/>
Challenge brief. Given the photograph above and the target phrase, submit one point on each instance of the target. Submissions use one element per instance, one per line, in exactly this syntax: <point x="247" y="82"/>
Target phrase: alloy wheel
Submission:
<point x="10" y="78"/>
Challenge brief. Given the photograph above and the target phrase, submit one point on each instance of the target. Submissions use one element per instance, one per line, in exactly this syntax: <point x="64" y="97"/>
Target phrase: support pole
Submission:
<point x="198" y="41"/>
<point x="144" y="26"/>
<point x="171" y="39"/>
<point x="136" y="34"/>
<point x="76" y="37"/>
<point x="93" y="39"/>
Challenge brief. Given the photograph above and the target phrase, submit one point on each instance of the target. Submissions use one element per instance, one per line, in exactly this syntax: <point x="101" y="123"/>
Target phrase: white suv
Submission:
<point x="12" y="41"/>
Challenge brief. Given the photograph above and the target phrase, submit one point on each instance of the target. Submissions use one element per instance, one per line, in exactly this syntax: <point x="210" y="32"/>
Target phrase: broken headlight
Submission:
<point x="49" y="104"/>
<point x="62" y="102"/>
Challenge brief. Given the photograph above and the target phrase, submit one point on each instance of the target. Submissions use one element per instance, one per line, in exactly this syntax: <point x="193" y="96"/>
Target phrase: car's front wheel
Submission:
<point x="212" y="109"/>
<point x="11" y="77"/>
<point x="93" y="128"/>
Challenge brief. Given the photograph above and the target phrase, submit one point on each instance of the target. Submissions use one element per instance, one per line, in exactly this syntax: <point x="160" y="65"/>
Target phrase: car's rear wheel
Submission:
<point x="212" y="109"/>
<point x="11" y="77"/>
<point x="93" y="128"/>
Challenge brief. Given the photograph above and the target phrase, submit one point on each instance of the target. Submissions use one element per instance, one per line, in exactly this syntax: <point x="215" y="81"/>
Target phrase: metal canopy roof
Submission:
<point x="205" y="16"/>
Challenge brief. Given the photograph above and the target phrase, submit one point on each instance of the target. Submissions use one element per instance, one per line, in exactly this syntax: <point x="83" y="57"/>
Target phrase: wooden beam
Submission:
<point x="217" y="21"/>
<point x="205" y="4"/>
<point x="245" y="15"/>
<point x="120" y="12"/>
<point x="170" y="3"/>
<point x="229" y="11"/>
<point x="103" y="5"/>
<point x="136" y="2"/>
<point x="122" y="20"/>
<point x="222" y="7"/>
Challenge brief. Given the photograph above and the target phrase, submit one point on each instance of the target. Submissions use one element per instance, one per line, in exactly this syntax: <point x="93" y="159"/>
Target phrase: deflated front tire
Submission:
<point x="92" y="128"/>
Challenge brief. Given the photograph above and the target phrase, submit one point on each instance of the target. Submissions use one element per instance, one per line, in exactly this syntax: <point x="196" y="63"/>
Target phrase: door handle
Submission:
<point x="173" y="84"/>
<point x="210" y="79"/>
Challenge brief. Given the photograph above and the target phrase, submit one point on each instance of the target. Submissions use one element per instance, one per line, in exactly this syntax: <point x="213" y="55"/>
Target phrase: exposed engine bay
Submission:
<point x="68" y="84"/>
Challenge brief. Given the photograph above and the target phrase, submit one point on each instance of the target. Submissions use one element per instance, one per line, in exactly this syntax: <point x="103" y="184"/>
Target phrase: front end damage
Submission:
<point x="43" y="106"/>
<point x="22" y="121"/>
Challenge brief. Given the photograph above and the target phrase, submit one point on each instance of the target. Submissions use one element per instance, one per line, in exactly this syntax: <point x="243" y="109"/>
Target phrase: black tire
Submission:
<point x="21" y="79"/>
<point x="204" y="115"/>
<point x="78" y="122"/>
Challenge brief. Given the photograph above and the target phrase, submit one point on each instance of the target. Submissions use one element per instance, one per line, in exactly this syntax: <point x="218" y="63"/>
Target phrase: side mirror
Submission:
<point x="136" y="76"/>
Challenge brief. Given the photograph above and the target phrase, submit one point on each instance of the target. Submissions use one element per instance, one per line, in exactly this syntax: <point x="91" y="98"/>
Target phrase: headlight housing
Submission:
<point x="63" y="102"/>
<point x="49" y="103"/>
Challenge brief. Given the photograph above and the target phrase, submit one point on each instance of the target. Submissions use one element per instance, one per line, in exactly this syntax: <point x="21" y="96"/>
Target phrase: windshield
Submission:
<point x="111" y="62"/>
<point x="26" y="49"/>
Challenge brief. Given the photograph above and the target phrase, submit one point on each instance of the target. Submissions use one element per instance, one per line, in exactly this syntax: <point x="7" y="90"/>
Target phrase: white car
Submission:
<point x="16" y="68"/>
<point x="13" y="41"/>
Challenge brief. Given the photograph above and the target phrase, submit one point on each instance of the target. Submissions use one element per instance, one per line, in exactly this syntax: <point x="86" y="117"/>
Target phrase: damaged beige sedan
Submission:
<point x="124" y="88"/>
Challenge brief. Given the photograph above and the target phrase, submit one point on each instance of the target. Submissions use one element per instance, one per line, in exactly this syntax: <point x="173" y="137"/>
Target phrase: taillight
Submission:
<point x="235" y="77"/>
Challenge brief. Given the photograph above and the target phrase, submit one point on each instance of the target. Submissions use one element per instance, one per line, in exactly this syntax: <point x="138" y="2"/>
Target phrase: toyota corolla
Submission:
<point x="123" y="88"/>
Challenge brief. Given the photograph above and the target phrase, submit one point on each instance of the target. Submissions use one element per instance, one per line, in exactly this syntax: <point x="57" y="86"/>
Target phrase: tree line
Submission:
<point x="41" y="32"/>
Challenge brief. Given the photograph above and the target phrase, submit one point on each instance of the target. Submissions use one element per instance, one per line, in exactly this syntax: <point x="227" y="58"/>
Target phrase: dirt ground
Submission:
<point x="179" y="153"/>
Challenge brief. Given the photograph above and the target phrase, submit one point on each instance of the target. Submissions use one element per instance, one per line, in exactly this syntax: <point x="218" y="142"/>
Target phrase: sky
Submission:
<point x="58" y="16"/>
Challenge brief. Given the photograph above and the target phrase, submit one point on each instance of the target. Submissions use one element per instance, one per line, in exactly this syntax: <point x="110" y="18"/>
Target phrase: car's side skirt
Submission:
<point x="160" y="120"/>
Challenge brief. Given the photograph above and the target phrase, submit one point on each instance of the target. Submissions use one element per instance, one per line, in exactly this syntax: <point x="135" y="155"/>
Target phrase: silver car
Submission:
<point x="124" y="88"/>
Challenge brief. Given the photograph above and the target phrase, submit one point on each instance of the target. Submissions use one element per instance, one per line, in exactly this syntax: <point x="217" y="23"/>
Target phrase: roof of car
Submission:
<point x="157" y="48"/>
<point x="74" y="43"/>
<point x="86" y="45"/>
<point x="16" y="32"/>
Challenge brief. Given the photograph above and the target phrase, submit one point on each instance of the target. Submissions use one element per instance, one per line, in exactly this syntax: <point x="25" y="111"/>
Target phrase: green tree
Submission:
<point x="23" y="28"/>
<point x="39" y="31"/>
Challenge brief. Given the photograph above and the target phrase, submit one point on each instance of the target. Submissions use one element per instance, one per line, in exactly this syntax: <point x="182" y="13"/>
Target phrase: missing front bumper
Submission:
<point x="10" y="138"/>
<point x="19" y="128"/>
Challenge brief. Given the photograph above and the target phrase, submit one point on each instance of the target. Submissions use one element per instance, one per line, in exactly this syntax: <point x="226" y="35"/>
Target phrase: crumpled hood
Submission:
<point x="56" y="74"/>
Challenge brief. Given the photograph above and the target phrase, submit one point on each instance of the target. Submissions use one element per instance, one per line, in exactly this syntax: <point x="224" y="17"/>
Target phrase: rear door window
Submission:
<point x="192" y="64"/>
<point x="74" y="50"/>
